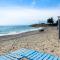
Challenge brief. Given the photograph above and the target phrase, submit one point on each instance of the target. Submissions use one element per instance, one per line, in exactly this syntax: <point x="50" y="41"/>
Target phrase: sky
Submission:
<point x="26" y="12"/>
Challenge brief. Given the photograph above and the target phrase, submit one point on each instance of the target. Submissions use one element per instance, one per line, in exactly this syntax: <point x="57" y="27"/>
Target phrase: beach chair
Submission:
<point x="35" y="55"/>
<point x="16" y="55"/>
<point x="29" y="54"/>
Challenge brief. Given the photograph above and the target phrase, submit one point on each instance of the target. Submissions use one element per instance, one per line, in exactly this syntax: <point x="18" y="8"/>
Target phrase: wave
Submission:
<point x="19" y="32"/>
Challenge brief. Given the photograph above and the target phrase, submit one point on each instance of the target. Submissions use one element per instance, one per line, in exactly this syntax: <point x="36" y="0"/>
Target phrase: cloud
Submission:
<point x="21" y="16"/>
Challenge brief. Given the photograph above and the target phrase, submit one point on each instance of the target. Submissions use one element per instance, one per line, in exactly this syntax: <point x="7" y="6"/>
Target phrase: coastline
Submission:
<point x="20" y="34"/>
<point x="46" y="41"/>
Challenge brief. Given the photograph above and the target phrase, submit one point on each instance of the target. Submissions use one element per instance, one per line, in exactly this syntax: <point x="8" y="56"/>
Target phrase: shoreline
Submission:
<point x="23" y="31"/>
<point x="46" y="41"/>
<point x="21" y="34"/>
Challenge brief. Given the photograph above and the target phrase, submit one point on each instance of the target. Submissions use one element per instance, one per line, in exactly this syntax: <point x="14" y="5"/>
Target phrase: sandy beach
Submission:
<point x="46" y="41"/>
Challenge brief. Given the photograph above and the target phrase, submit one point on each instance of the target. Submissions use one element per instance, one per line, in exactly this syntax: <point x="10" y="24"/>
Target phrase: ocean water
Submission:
<point x="9" y="30"/>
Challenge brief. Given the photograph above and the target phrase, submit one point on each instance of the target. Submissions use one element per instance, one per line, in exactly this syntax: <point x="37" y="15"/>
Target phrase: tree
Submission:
<point x="50" y="20"/>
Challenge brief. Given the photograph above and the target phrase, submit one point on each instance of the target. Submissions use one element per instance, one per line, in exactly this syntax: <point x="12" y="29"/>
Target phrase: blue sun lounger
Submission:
<point x="29" y="54"/>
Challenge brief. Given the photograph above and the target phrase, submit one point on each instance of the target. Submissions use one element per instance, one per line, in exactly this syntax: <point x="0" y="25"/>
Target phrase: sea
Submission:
<point x="9" y="30"/>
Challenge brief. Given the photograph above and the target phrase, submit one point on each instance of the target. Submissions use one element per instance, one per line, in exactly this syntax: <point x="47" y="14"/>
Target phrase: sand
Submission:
<point x="46" y="41"/>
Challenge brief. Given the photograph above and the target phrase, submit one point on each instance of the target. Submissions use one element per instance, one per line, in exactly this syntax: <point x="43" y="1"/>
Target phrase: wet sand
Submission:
<point x="46" y="41"/>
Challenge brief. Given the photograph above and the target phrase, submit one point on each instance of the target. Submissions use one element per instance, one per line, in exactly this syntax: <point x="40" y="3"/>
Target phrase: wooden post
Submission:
<point x="59" y="25"/>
